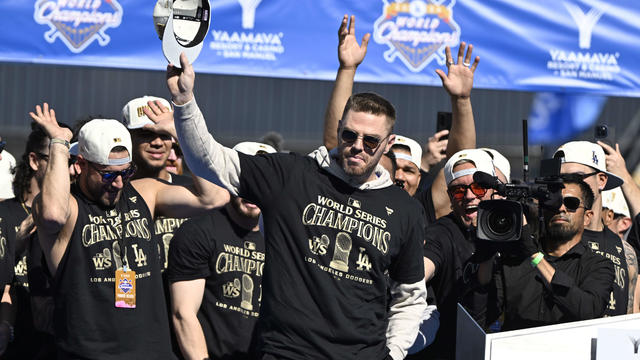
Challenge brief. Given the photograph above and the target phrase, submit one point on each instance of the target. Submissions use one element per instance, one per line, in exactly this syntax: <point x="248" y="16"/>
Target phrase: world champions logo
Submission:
<point x="416" y="31"/>
<point x="77" y="23"/>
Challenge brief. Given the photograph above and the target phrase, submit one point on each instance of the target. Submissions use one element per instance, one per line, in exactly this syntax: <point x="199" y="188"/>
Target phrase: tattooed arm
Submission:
<point x="632" y="265"/>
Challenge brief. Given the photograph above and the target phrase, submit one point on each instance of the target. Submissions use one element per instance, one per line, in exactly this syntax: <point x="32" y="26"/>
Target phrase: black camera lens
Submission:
<point x="601" y="131"/>
<point x="500" y="222"/>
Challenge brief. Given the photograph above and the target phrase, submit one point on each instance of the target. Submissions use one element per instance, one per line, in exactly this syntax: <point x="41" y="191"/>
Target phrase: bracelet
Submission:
<point x="60" y="141"/>
<point x="11" y="332"/>
<point x="536" y="260"/>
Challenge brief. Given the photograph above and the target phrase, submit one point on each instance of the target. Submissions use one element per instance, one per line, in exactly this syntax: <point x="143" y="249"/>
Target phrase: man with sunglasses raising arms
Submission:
<point x="97" y="237"/>
<point x="339" y="235"/>
<point x="587" y="160"/>
<point x="560" y="281"/>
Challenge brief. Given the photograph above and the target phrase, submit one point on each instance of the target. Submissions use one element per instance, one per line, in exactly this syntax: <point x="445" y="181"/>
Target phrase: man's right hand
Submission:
<point x="46" y="118"/>
<point x="350" y="54"/>
<point x="180" y="81"/>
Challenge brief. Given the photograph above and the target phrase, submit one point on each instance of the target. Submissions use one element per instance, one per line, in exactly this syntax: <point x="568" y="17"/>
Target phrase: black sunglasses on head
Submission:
<point x="369" y="141"/>
<point x="110" y="176"/>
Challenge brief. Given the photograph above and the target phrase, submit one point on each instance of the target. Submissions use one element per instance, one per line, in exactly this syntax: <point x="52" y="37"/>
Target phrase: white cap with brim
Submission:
<point x="133" y="112"/>
<point x="481" y="160"/>
<point x="99" y="137"/>
<point x="500" y="162"/>
<point x="614" y="200"/>
<point x="186" y="29"/>
<point x="589" y="154"/>
<point x="253" y="148"/>
<point x="414" y="149"/>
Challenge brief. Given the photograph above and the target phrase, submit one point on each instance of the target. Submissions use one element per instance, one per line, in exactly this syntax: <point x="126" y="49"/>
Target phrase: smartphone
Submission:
<point x="443" y="122"/>
<point x="605" y="133"/>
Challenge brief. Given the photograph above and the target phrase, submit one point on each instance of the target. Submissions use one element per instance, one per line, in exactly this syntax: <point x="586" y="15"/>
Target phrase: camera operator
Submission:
<point x="561" y="282"/>
<point x="449" y="246"/>
<point x="587" y="160"/>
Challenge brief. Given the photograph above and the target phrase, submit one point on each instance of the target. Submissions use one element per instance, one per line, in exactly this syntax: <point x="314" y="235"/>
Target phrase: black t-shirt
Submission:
<point x="231" y="259"/>
<point x="634" y="235"/>
<point x="424" y="197"/>
<point x="450" y="245"/>
<point x="579" y="289"/>
<point x="87" y="323"/>
<point x="609" y="245"/>
<point x="12" y="214"/>
<point x="328" y="247"/>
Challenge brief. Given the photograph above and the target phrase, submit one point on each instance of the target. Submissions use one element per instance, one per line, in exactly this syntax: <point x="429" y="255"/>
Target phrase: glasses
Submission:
<point x="579" y="175"/>
<point x="110" y="176"/>
<point x="45" y="157"/>
<point x="176" y="148"/>
<point x="3" y="144"/>
<point x="571" y="203"/>
<point x="369" y="141"/>
<point x="459" y="191"/>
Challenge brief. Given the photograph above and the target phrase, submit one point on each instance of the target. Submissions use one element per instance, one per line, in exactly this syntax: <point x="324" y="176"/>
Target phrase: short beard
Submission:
<point x="560" y="234"/>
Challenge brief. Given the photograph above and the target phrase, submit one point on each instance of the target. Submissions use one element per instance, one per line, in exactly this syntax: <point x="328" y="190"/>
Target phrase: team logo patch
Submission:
<point x="594" y="245"/>
<point x="389" y="210"/>
<point x="355" y="203"/>
<point x="133" y="199"/>
<point x="416" y="31"/>
<point x="125" y="285"/>
<point x="77" y="23"/>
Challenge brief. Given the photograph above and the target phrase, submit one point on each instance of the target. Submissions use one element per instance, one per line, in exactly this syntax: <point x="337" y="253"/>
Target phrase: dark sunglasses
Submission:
<point x="369" y="141"/>
<point x="459" y="191"/>
<point x="110" y="176"/>
<point x="571" y="203"/>
<point x="3" y="144"/>
<point x="579" y="175"/>
<point x="176" y="148"/>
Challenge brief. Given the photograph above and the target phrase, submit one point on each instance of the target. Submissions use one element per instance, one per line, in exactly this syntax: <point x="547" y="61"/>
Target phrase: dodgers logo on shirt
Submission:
<point x="77" y="23"/>
<point x="416" y="31"/>
<point x="125" y="285"/>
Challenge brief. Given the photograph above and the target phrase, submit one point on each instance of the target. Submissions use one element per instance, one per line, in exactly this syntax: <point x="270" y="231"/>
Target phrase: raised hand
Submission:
<point x="46" y="118"/>
<point x="180" y="81"/>
<point x="436" y="149"/>
<point x="162" y="117"/>
<point x="350" y="53"/>
<point x="459" y="80"/>
<point x="614" y="160"/>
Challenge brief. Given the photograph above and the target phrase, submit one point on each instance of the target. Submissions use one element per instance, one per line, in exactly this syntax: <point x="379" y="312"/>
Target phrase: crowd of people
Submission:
<point x="361" y="249"/>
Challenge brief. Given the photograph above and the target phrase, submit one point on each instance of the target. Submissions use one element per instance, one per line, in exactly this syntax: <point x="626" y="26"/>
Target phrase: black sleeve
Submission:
<point x="587" y="300"/>
<point x="408" y="266"/>
<point x="263" y="177"/>
<point x="7" y="256"/>
<point x="634" y="235"/>
<point x="437" y="246"/>
<point x="190" y="251"/>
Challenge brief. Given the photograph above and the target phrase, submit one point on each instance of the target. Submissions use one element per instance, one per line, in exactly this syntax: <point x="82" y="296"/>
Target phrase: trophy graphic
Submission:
<point x="117" y="259"/>
<point x="249" y="12"/>
<point x="247" y="292"/>
<point x="341" y="252"/>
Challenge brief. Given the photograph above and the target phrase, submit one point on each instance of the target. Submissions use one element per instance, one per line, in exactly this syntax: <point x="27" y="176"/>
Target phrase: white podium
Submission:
<point x="612" y="338"/>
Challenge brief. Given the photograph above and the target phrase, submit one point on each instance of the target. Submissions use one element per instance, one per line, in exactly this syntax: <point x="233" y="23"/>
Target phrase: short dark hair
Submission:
<point x="587" y="195"/>
<point x="371" y="103"/>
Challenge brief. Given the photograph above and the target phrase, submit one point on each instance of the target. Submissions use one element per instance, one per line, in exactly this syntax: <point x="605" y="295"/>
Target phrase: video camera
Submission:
<point x="501" y="219"/>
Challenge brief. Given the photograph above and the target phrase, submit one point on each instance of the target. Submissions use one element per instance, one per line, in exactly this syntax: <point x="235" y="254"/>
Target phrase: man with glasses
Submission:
<point x="449" y="246"/>
<point x="587" y="160"/>
<point x="560" y="281"/>
<point x="339" y="235"/>
<point x="97" y="237"/>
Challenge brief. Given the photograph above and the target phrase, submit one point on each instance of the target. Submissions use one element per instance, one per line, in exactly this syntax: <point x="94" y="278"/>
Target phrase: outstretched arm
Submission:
<point x="458" y="83"/>
<point x="54" y="205"/>
<point x="350" y="55"/>
<point x="204" y="155"/>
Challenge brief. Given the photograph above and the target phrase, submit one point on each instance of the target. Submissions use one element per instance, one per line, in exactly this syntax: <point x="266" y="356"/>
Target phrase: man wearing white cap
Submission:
<point x="408" y="154"/>
<point x="216" y="304"/>
<point x="587" y="160"/>
<point x="97" y="241"/>
<point x="449" y="246"/>
<point x="326" y="282"/>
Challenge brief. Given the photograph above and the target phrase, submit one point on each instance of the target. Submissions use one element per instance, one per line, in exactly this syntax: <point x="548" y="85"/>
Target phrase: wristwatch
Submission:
<point x="60" y="141"/>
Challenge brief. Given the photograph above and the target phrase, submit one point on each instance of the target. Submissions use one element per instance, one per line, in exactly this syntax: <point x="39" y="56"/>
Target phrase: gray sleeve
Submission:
<point x="205" y="157"/>
<point x="408" y="309"/>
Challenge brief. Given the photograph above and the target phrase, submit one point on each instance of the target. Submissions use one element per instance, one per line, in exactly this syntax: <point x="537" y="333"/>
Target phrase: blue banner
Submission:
<point x="560" y="46"/>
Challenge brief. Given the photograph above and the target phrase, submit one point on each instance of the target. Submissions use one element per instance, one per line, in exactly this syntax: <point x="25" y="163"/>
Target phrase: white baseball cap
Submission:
<point x="187" y="26"/>
<point x="133" y="112"/>
<point x="414" y="149"/>
<point x="500" y="162"/>
<point x="479" y="158"/>
<point x="161" y="13"/>
<point x="98" y="137"/>
<point x="589" y="154"/>
<point x="253" y="148"/>
<point x="614" y="200"/>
